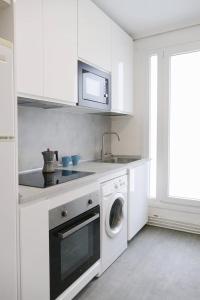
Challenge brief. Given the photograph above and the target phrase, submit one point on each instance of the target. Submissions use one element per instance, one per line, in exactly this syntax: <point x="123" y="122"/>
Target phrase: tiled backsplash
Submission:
<point x="67" y="132"/>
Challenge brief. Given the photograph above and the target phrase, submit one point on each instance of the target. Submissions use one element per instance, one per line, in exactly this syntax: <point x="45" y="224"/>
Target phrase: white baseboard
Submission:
<point x="176" y="225"/>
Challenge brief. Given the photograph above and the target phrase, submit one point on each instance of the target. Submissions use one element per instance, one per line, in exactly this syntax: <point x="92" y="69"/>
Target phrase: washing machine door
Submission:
<point x="115" y="215"/>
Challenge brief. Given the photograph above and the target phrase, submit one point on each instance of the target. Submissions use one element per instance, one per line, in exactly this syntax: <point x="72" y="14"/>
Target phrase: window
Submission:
<point x="184" y="126"/>
<point x="153" y="123"/>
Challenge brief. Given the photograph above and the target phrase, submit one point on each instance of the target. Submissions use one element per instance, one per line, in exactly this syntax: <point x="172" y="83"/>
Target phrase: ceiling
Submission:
<point x="141" y="18"/>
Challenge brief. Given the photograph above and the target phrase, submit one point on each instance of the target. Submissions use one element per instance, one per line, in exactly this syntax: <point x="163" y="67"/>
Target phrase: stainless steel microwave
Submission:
<point x="93" y="87"/>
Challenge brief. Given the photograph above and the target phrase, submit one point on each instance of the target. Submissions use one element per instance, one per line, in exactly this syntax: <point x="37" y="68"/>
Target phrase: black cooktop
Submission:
<point x="44" y="180"/>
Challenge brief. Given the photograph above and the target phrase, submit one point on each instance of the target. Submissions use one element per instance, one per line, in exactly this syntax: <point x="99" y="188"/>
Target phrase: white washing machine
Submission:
<point x="113" y="220"/>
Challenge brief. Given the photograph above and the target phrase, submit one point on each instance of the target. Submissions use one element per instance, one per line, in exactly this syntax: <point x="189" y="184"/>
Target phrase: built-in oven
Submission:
<point x="94" y="87"/>
<point x="74" y="241"/>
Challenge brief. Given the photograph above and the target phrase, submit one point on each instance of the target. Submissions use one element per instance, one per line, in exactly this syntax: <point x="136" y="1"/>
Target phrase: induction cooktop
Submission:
<point x="43" y="180"/>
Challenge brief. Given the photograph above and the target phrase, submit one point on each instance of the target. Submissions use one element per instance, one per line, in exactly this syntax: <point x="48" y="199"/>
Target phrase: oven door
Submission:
<point x="94" y="87"/>
<point x="74" y="248"/>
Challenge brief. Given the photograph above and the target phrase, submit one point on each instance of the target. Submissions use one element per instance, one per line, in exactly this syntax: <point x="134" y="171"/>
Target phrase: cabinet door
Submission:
<point x="29" y="47"/>
<point x="138" y="199"/>
<point x="122" y="71"/>
<point x="60" y="44"/>
<point x="6" y="92"/>
<point x="34" y="247"/>
<point x="94" y="35"/>
<point x="8" y="201"/>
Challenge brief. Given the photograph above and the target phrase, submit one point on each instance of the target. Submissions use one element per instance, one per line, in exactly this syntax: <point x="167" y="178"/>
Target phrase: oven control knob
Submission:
<point x="90" y="201"/>
<point x="64" y="213"/>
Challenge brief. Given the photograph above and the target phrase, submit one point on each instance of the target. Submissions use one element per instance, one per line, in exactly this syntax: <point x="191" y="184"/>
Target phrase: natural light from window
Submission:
<point x="153" y="123"/>
<point x="184" y="137"/>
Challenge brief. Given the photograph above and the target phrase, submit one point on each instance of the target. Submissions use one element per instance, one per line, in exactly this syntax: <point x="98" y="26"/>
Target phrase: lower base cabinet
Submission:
<point x="138" y="198"/>
<point x="34" y="256"/>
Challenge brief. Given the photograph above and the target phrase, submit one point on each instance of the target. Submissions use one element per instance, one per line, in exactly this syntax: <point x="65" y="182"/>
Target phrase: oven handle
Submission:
<point x="74" y="229"/>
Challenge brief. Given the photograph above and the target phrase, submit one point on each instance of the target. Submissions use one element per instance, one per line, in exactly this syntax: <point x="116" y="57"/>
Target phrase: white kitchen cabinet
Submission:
<point x="94" y="35"/>
<point x="122" y="71"/>
<point x="34" y="247"/>
<point x="6" y="89"/>
<point x="8" y="211"/>
<point x="138" y="198"/>
<point x="8" y="160"/>
<point x="60" y="50"/>
<point x="29" y="47"/>
<point x="46" y="50"/>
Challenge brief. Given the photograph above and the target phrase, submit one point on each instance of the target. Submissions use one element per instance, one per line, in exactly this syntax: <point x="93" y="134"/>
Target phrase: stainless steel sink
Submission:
<point x="120" y="159"/>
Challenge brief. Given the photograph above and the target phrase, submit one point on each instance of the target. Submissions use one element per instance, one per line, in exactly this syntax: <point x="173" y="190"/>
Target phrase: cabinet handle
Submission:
<point x="6" y="138"/>
<point x="63" y="235"/>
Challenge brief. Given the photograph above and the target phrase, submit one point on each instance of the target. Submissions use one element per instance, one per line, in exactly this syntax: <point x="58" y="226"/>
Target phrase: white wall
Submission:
<point x="134" y="133"/>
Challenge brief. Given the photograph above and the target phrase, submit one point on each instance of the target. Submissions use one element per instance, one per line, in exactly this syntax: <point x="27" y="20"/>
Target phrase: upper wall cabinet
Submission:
<point x="46" y="42"/>
<point x="29" y="47"/>
<point x="122" y="71"/>
<point x="52" y="35"/>
<point x="60" y="49"/>
<point x="94" y="35"/>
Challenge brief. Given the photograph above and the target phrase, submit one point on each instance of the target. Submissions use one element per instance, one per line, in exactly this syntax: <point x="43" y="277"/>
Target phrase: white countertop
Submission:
<point x="103" y="172"/>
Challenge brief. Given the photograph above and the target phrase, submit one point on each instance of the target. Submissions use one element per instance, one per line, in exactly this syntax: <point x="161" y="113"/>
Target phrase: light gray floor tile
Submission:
<point x="159" y="264"/>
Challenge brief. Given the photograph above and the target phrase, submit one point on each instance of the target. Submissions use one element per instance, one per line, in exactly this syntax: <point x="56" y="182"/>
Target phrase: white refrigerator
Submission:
<point x="8" y="176"/>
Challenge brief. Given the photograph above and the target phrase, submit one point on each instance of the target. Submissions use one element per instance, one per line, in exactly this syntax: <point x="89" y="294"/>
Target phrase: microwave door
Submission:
<point x="94" y="87"/>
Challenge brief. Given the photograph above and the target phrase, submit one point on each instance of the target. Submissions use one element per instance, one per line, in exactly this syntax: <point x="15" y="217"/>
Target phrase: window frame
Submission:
<point x="150" y="117"/>
<point x="164" y="175"/>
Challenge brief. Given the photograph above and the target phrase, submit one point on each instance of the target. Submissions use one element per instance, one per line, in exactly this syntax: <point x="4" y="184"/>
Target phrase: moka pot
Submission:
<point x="49" y="162"/>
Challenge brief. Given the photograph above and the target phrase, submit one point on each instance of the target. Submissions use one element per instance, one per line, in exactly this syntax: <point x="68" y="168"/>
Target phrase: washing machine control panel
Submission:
<point x="115" y="185"/>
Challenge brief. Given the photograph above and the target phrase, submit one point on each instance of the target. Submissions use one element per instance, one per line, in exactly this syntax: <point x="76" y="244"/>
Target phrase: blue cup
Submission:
<point x="75" y="159"/>
<point x="66" y="160"/>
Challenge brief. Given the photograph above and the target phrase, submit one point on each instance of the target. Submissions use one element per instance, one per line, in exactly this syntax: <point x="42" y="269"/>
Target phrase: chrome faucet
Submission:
<point x="102" y="151"/>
